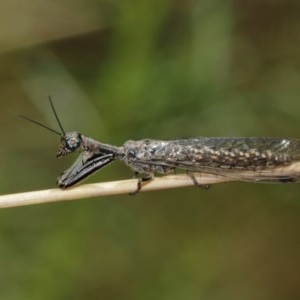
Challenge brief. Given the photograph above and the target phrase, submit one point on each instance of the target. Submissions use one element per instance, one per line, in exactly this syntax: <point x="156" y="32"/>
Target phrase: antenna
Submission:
<point x="42" y="125"/>
<point x="56" y="116"/>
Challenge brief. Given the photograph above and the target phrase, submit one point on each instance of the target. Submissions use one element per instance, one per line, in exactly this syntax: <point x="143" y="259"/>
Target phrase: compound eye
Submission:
<point x="70" y="142"/>
<point x="73" y="142"/>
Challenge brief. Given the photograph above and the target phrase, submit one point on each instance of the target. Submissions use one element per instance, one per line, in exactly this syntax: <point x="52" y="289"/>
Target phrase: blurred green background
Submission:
<point x="120" y="70"/>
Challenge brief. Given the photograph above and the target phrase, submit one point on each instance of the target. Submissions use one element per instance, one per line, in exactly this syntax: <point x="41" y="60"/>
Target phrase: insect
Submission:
<point x="252" y="159"/>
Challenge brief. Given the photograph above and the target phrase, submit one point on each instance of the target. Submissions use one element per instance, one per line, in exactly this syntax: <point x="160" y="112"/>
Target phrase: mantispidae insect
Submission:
<point x="253" y="159"/>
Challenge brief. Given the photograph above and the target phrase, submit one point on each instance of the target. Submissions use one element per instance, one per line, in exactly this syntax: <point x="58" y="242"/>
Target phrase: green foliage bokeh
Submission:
<point x="120" y="70"/>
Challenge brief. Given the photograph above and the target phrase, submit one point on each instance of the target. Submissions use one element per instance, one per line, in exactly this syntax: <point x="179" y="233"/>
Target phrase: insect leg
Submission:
<point x="85" y="165"/>
<point x="196" y="183"/>
<point x="148" y="177"/>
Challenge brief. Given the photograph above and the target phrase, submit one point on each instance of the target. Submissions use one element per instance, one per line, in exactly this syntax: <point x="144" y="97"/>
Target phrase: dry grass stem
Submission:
<point x="105" y="189"/>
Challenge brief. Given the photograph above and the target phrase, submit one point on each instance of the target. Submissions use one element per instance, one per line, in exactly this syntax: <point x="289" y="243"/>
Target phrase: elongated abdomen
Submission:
<point x="212" y="155"/>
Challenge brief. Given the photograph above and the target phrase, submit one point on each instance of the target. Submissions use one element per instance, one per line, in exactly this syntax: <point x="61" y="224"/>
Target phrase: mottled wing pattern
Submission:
<point x="242" y="159"/>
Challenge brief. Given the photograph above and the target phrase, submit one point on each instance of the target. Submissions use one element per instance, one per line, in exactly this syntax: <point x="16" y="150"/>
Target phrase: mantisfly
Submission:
<point x="252" y="159"/>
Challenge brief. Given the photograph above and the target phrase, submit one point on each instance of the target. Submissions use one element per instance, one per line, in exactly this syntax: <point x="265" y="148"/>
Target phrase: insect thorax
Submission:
<point x="146" y="156"/>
